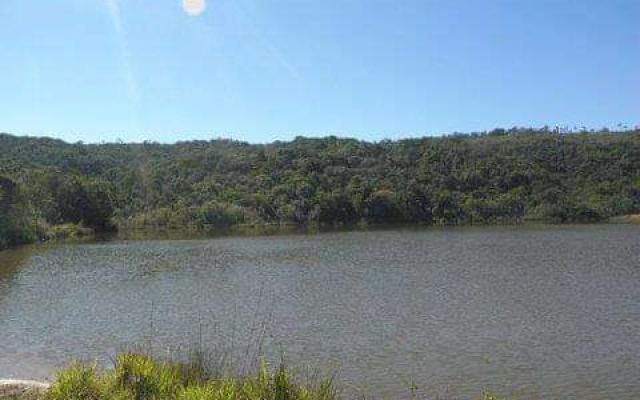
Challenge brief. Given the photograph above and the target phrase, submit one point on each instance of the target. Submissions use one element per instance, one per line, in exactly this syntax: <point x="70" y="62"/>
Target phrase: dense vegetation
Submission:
<point x="502" y="176"/>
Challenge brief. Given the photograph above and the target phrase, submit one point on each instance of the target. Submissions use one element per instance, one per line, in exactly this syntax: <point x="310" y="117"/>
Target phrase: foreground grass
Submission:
<point x="141" y="377"/>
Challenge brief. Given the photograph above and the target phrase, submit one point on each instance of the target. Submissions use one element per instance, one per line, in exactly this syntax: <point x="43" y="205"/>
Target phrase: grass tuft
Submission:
<point x="138" y="376"/>
<point x="78" y="382"/>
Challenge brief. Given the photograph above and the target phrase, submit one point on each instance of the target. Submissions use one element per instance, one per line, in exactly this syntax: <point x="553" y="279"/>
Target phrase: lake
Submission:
<point x="552" y="311"/>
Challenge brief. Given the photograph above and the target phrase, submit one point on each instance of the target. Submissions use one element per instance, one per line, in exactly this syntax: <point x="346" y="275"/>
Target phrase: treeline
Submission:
<point x="502" y="176"/>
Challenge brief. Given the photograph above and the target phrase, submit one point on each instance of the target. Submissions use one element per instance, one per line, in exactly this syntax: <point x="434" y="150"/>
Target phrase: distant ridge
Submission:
<point x="502" y="176"/>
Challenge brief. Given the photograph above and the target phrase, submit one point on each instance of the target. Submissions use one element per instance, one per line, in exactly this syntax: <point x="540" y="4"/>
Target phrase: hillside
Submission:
<point x="503" y="176"/>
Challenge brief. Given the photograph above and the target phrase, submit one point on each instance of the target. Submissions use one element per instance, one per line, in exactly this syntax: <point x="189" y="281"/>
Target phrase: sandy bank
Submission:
<point x="10" y="387"/>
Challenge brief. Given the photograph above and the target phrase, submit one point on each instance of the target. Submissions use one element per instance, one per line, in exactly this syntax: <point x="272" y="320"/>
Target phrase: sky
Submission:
<point x="264" y="70"/>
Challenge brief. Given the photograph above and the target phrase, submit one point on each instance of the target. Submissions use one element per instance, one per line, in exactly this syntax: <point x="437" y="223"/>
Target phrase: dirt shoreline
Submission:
<point x="12" y="387"/>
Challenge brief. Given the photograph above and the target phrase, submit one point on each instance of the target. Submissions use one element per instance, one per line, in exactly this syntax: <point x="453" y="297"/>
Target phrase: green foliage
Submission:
<point x="503" y="176"/>
<point x="14" y="222"/>
<point x="381" y="207"/>
<point x="141" y="377"/>
<point x="78" y="382"/>
<point x="70" y="198"/>
<point x="145" y="378"/>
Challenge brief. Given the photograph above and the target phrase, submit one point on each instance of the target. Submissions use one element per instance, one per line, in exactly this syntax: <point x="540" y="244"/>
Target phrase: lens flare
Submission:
<point x="194" y="7"/>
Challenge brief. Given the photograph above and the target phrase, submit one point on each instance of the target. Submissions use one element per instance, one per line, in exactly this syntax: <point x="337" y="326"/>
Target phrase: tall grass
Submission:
<point x="137" y="376"/>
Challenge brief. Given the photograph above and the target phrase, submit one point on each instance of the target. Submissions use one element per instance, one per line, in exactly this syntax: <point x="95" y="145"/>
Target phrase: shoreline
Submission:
<point x="249" y="230"/>
<point x="14" y="387"/>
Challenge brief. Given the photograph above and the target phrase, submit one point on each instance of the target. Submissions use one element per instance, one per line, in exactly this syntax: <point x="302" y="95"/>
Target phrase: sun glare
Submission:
<point x="194" y="7"/>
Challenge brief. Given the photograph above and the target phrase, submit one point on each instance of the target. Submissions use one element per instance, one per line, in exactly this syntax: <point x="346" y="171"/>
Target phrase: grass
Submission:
<point x="139" y="376"/>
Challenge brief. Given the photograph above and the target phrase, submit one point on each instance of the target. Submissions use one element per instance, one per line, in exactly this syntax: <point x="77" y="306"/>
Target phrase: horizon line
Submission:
<point x="619" y="128"/>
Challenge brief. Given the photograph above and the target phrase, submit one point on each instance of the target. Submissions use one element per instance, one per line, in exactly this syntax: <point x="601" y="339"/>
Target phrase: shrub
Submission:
<point x="78" y="382"/>
<point x="145" y="378"/>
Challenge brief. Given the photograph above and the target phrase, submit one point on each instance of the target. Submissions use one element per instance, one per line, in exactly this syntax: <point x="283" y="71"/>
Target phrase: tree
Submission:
<point x="14" y="224"/>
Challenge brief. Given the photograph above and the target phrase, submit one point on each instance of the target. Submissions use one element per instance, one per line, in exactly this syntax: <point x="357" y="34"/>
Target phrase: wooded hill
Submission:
<point x="502" y="176"/>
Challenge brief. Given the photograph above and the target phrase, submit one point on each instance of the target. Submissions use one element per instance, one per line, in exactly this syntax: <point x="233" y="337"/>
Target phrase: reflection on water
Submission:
<point x="12" y="260"/>
<point x="516" y="310"/>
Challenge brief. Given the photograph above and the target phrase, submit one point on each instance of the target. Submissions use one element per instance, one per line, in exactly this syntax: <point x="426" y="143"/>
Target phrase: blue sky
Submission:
<point x="261" y="70"/>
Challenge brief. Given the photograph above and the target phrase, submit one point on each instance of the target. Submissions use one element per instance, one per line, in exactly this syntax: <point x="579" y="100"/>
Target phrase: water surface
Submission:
<point x="549" y="311"/>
